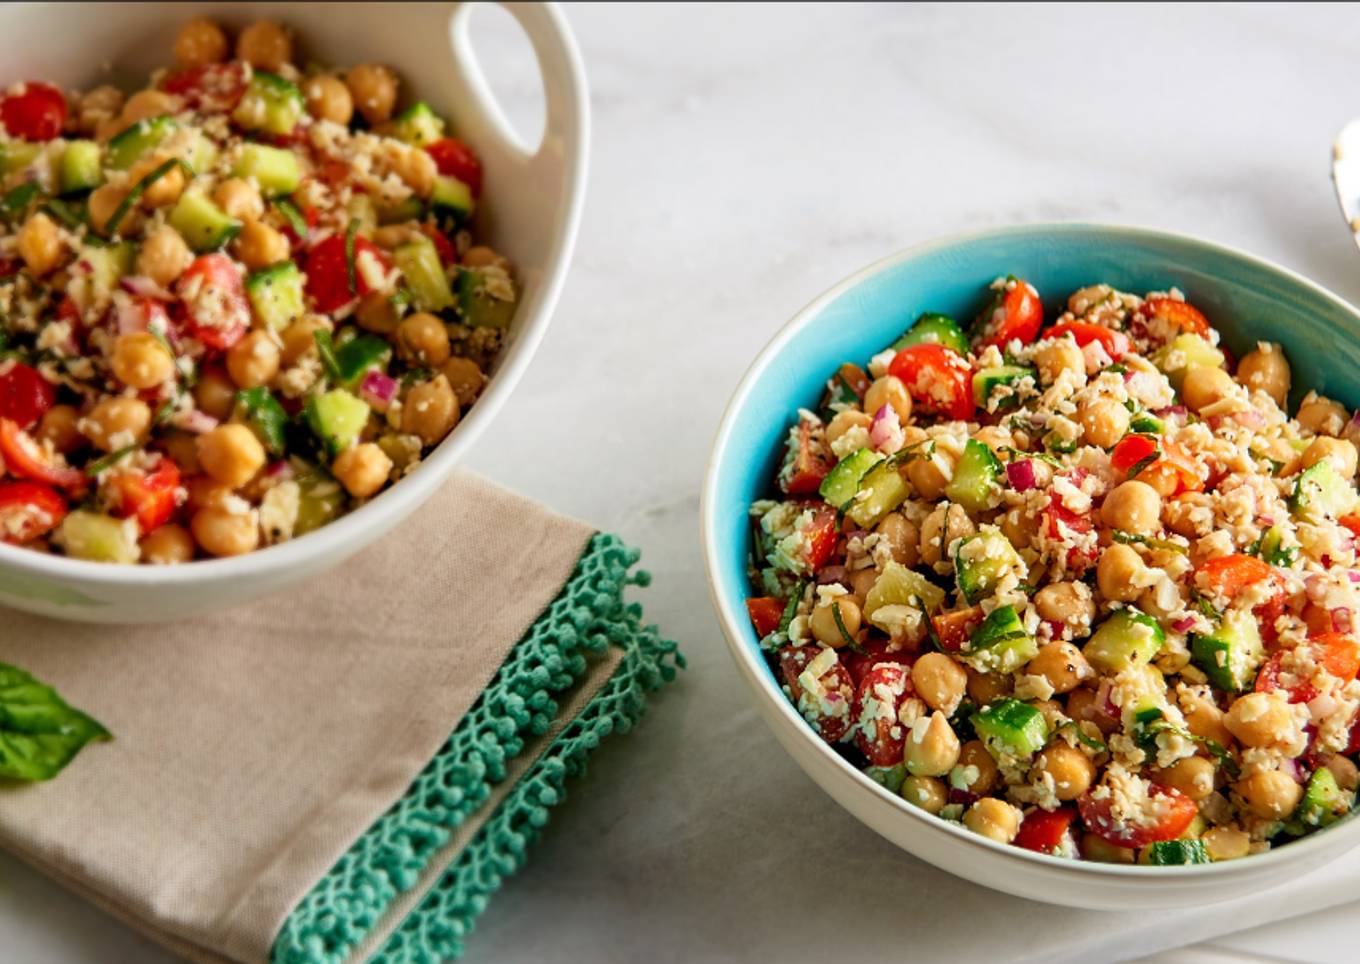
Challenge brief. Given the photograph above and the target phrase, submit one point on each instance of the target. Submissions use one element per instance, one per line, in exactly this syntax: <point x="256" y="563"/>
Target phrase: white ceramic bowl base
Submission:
<point x="530" y="211"/>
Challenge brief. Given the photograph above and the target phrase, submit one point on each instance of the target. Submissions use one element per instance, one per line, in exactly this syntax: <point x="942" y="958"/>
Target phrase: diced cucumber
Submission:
<point x="99" y="538"/>
<point x="983" y="560"/>
<point x="128" y="147"/>
<point x="80" y="170"/>
<point x="1272" y="548"/>
<point x="842" y="482"/>
<point x="1182" y="352"/>
<point x="1231" y="654"/>
<point x="275" y="295"/>
<point x="889" y="778"/>
<point x="986" y="381"/>
<point x="1320" y="493"/>
<point x="478" y="305"/>
<point x="259" y="411"/>
<point x="1129" y="637"/>
<point x="1165" y="853"/>
<point x="420" y="265"/>
<point x="17" y="155"/>
<point x="364" y="213"/>
<point x="360" y="355"/>
<point x="275" y="169"/>
<point x="934" y="329"/>
<point x="203" y="225"/>
<point x="409" y="209"/>
<point x="337" y="418"/>
<point x="418" y="125"/>
<point x="452" y="198"/>
<point x="270" y="104"/>
<point x="1324" y="802"/>
<point x="976" y="484"/>
<point x="1009" y="728"/>
<point x="320" y="497"/>
<point x="202" y="154"/>
<point x="881" y="490"/>
<point x="108" y="264"/>
<point x="14" y="205"/>
<point x="1000" y="644"/>
<point x="1145" y="424"/>
<point x="897" y="585"/>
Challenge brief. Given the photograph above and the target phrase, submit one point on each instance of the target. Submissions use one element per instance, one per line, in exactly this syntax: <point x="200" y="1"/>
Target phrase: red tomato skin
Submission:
<point x="766" y="612"/>
<point x="1078" y="557"/>
<point x="221" y="272"/>
<point x="24" y="394"/>
<point x="1130" y="450"/>
<point x="1096" y="815"/>
<point x="25" y="458"/>
<point x="956" y="628"/>
<point x="38" y="114"/>
<point x="921" y="366"/>
<point x="820" y="537"/>
<point x="830" y="727"/>
<point x="1268" y="681"/>
<point x="448" y="254"/>
<point x="1043" y="830"/>
<point x="803" y="474"/>
<point x="1115" y="343"/>
<point x="1231" y="574"/>
<point x="455" y="159"/>
<point x="1185" y="316"/>
<point x="216" y="87"/>
<point x="328" y="274"/>
<point x="882" y="741"/>
<point x="874" y="652"/>
<point x="1018" y="314"/>
<point x="151" y="498"/>
<point x="18" y="501"/>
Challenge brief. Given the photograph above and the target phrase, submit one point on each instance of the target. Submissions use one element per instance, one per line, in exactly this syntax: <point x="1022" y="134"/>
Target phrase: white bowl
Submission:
<point x="530" y="211"/>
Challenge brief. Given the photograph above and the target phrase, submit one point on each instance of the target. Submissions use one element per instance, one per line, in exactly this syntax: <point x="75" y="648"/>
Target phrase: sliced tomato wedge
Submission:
<point x="1174" y="472"/>
<point x="148" y="496"/>
<point x="215" y="301"/>
<point x="830" y="708"/>
<point x="1056" y="516"/>
<point x="1351" y="522"/>
<point x="24" y="394"/>
<point x="1132" y="450"/>
<point x="1178" y="814"/>
<point x="955" y="628"/>
<point x="1115" y="343"/>
<point x="1229" y="575"/>
<point x="819" y="537"/>
<point x="1044" y="830"/>
<point x="766" y="613"/>
<point x="1184" y="316"/>
<point x="29" y="510"/>
<point x="455" y="159"/>
<point x="870" y="654"/>
<point x="937" y="378"/>
<point x="803" y="469"/>
<point x="1015" y="313"/>
<point x="879" y="735"/>
<point x="25" y="458"/>
<point x="38" y="113"/>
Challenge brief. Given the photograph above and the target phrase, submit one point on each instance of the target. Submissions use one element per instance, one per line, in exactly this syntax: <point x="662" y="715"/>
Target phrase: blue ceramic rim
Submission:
<point x="736" y="629"/>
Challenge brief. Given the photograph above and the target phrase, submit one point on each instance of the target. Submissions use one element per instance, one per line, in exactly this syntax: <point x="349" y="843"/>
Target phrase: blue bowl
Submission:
<point x="1246" y="298"/>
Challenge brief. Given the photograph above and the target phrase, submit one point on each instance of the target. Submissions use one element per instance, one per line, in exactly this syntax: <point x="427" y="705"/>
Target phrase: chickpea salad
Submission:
<point x="234" y="304"/>
<point x="1081" y="584"/>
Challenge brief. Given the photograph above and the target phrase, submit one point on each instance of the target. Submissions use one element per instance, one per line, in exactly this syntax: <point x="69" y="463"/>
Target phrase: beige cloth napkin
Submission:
<point x="251" y="748"/>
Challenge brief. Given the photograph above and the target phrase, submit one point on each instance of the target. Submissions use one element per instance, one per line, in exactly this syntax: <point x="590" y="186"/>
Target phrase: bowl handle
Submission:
<point x="566" y="119"/>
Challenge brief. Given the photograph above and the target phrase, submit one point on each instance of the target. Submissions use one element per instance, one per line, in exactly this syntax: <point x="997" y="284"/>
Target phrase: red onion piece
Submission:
<point x="886" y="428"/>
<point x="279" y="470"/>
<point x="1170" y="411"/>
<point x="130" y="318"/>
<point x="1353" y="575"/>
<point x="144" y="287"/>
<point x="1351" y="432"/>
<point x="194" y="421"/>
<point x="1021" y="475"/>
<point x="1183" y="625"/>
<point x="831" y="574"/>
<point x="378" y="389"/>
<point x="1341" y="620"/>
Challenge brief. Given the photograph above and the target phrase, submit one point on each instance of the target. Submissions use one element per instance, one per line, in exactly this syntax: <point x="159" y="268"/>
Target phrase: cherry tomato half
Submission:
<point x="829" y="709"/>
<point x="328" y="273"/>
<point x="37" y="114"/>
<point x="937" y="378"/>
<point x="24" y="394"/>
<point x="819" y="538"/>
<point x="1184" y="316"/>
<point x="956" y="628"/>
<point x="29" y="510"/>
<point x="1176" y="815"/>
<point x="1044" y="830"/>
<point x="1016" y="313"/>
<point x="215" y="301"/>
<point x="878" y="699"/>
<point x="148" y="496"/>
<point x="455" y="159"/>
<point x="25" y="458"/>
<point x="766" y="613"/>
<point x="1115" y="343"/>
<point x="870" y="654"/>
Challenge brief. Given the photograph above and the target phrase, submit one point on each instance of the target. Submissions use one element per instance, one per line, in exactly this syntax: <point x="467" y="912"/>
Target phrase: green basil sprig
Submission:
<point x="39" y="731"/>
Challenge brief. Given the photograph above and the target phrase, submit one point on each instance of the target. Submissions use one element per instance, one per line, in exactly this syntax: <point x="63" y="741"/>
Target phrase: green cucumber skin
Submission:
<point x="80" y="167"/>
<point x="276" y="295"/>
<point x="275" y="170"/>
<point x="1166" y="853"/>
<point x="842" y="482"/>
<point x="934" y="329"/>
<point x="976" y="484"/>
<point x="204" y="225"/>
<point x="127" y="148"/>
<point x="419" y="125"/>
<point x="1018" y="727"/>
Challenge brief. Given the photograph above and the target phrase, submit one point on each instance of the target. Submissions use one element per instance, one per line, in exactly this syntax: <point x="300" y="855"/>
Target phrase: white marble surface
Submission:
<point x="744" y="160"/>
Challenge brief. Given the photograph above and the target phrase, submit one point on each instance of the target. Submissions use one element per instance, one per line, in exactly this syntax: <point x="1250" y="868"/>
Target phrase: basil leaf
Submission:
<point x="39" y="732"/>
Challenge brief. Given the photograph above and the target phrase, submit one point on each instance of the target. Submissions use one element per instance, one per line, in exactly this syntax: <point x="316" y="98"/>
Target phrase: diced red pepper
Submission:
<point x="455" y="159"/>
<point x="29" y="510"/>
<point x="149" y="497"/>
<point x="448" y="254"/>
<point x="1115" y="343"/>
<point x="37" y="114"/>
<point x="766" y="613"/>
<point x="24" y="394"/>
<point x="937" y="378"/>
<point x="883" y="738"/>
<point x="1184" y="316"/>
<point x="25" y="458"/>
<point x="1044" y="830"/>
<point x="1178" y="814"/>
<point x="1015" y="314"/>
<point x="955" y="628"/>
<point x="830" y="715"/>
<point x="1058" y="516"/>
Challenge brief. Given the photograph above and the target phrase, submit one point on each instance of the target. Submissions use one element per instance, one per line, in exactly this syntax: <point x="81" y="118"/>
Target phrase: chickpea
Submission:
<point x="1069" y="603"/>
<point x="299" y="338"/>
<point x="222" y="532"/>
<point x="1134" y="507"/>
<point x="328" y="99"/>
<point x="822" y="622"/>
<point x="230" y="454"/>
<point x="240" y="199"/>
<point x="205" y="492"/>
<point x="1062" y="665"/>
<point x="168" y="545"/>
<point x="889" y="391"/>
<point x="983" y="688"/>
<point x="1083" y="707"/>
<point x="164" y="256"/>
<point x="258" y="245"/>
<point x="101" y="105"/>
<point x="215" y="393"/>
<point x="374" y="89"/>
<point x="1072" y="771"/>
<point x="1017" y="525"/>
<point x="1339" y="451"/>
<point x="932" y="747"/>
<point x="377" y="314"/>
<point x="59" y="427"/>
<point x="430" y="410"/>
<point x="416" y="168"/>
<point x="1205" y="720"/>
<point x="899" y="534"/>
<point x="1270" y="794"/>
<point x="183" y="450"/>
<point x="1192" y="776"/>
<point x="1189" y="514"/>
<point x="1259" y="719"/>
<point x="139" y="360"/>
<point x="40" y="244"/>
<point x="928" y="477"/>
<point x="994" y="819"/>
<point x="200" y="42"/>
<point x="1266" y="370"/>
<point x="942" y="526"/>
<point x="362" y="469"/>
<point x="480" y="256"/>
<point x="996" y="438"/>
<point x="1101" y="850"/>
<point x="1321" y="416"/>
<point x="146" y="104"/>
<point x="1056" y="356"/>
<point x="395" y="235"/>
<point x="939" y="681"/>
<point x="1346" y="773"/>
<point x="1103" y="422"/>
<point x="254" y="360"/>
<point x="116" y="422"/>
<point x="421" y="338"/>
<point x="467" y="380"/>
<point x="862" y="580"/>
<point x="1225" y="843"/>
<point x="265" y="45"/>
<point x="163" y="191"/>
<point x="103" y="202"/>
<point x="928" y="793"/>
<point x="1118" y="571"/>
<point x="974" y="755"/>
<point x="1203" y="386"/>
<point x="107" y="128"/>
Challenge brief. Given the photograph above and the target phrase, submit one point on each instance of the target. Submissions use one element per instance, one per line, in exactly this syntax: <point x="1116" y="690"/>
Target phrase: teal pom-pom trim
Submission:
<point x="588" y="616"/>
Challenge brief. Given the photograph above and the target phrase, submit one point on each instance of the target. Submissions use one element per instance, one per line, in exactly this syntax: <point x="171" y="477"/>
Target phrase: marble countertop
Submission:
<point x="745" y="159"/>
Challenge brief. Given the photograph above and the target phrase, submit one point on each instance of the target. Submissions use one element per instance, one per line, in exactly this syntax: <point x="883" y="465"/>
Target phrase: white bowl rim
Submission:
<point x="755" y="668"/>
<point x="388" y="508"/>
